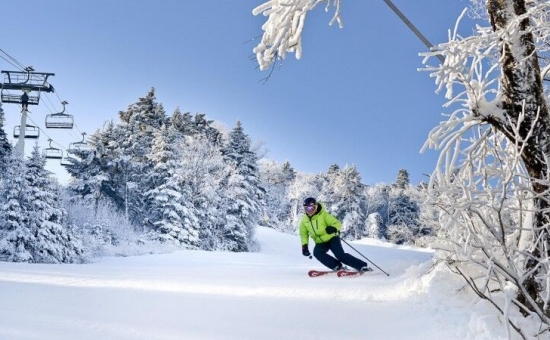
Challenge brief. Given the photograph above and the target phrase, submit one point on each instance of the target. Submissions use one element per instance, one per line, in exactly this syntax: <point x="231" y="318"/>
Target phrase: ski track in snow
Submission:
<point x="352" y="292"/>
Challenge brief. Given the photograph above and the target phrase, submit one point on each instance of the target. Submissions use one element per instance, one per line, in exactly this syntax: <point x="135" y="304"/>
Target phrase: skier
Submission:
<point x="323" y="229"/>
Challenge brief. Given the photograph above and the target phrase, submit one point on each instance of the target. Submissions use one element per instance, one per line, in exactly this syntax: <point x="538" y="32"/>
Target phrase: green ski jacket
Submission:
<point x="315" y="226"/>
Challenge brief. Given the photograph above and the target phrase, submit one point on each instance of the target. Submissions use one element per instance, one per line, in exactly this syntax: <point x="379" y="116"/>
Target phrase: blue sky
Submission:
<point x="355" y="97"/>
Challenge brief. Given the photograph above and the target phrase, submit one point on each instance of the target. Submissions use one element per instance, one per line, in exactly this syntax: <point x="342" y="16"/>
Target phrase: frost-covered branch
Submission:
<point x="283" y="28"/>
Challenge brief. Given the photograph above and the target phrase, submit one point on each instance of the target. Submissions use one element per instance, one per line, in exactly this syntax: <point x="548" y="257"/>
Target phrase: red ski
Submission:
<point x="315" y="273"/>
<point x="350" y="273"/>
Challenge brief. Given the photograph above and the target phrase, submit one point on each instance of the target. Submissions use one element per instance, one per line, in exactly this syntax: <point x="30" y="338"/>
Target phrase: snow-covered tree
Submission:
<point x="16" y="239"/>
<point x="244" y="197"/>
<point x="304" y="185"/>
<point x="403" y="210"/>
<point x="139" y="124"/>
<point x="31" y="229"/>
<point x="116" y="165"/>
<point x="92" y="168"/>
<point x="375" y="226"/>
<point x="169" y="202"/>
<point x="402" y="180"/>
<point x="202" y="168"/>
<point x="496" y="148"/>
<point x="403" y="222"/>
<point x="276" y="179"/>
<point x="347" y="201"/>
<point x="53" y="241"/>
<point x="378" y="201"/>
<point x="189" y="125"/>
<point x="104" y="230"/>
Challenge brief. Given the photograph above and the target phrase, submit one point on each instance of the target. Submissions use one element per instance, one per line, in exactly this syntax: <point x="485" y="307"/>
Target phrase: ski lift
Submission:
<point x="52" y="153"/>
<point x="82" y="145"/>
<point x="31" y="131"/>
<point x="66" y="161"/>
<point x="26" y="81"/>
<point x="60" y="120"/>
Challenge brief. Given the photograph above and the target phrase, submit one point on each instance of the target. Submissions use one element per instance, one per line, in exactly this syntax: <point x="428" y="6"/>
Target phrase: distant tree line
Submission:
<point x="392" y="212"/>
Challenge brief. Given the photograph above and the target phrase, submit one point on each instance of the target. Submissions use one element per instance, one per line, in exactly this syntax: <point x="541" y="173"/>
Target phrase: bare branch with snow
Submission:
<point x="283" y="28"/>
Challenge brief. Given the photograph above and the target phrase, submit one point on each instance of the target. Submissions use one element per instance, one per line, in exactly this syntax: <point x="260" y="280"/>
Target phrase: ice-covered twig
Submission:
<point x="284" y="26"/>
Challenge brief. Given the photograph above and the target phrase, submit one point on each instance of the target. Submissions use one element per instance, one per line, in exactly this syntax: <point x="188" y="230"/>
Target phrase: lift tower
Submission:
<point x="28" y="82"/>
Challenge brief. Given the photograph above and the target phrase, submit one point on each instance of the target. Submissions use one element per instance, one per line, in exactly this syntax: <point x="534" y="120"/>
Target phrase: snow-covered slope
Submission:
<point x="215" y="295"/>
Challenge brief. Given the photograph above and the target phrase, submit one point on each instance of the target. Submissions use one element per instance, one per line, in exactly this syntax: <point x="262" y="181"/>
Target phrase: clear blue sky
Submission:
<point x="355" y="97"/>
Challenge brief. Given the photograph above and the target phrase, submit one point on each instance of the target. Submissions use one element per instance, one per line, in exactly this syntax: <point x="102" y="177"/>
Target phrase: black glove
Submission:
<point x="331" y="230"/>
<point x="305" y="251"/>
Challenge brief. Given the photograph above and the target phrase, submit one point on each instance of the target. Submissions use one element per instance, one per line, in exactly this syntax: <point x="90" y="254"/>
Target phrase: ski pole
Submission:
<point x="365" y="257"/>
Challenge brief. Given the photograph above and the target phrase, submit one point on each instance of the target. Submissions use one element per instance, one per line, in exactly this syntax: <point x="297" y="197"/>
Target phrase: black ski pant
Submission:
<point x="335" y="246"/>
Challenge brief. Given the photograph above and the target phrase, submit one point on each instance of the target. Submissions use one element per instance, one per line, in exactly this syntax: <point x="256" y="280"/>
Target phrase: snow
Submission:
<point x="222" y="295"/>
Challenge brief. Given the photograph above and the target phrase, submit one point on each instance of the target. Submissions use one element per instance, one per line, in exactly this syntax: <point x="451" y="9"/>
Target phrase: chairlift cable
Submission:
<point x="57" y="94"/>
<point x="76" y="126"/>
<point x="413" y="28"/>
<point x="49" y="100"/>
<point x="9" y="62"/>
<point x="19" y="65"/>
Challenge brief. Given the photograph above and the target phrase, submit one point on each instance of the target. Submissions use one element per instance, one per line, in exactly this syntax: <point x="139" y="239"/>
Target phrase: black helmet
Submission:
<point x="309" y="201"/>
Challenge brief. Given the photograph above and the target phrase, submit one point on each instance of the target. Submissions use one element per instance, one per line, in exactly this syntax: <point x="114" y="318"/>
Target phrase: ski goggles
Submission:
<point x="310" y="208"/>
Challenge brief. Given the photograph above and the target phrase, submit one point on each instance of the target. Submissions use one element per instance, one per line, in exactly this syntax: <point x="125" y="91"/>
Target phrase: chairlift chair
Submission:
<point x="81" y="145"/>
<point x="52" y="153"/>
<point x="60" y="120"/>
<point x="66" y="161"/>
<point x="27" y="81"/>
<point x="31" y="131"/>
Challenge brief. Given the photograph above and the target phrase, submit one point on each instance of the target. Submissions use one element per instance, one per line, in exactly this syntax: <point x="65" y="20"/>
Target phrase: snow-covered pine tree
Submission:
<point x="289" y="174"/>
<point x="52" y="241"/>
<point x="93" y="171"/>
<point x="402" y="181"/>
<point x="326" y="193"/>
<point x="348" y="196"/>
<point x="139" y="123"/>
<point x="378" y="199"/>
<point x="403" y="215"/>
<point x="204" y="128"/>
<point x="403" y="218"/>
<point x="201" y="166"/>
<point x="243" y="200"/>
<point x="169" y="202"/>
<point x="304" y="185"/>
<point x="143" y="118"/>
<point x="181" y="122"/>
<point x="16" y="237"/>
<point x="375" y="226"/>
<point x="197" y="125"/>
<point x="31" y="228"/>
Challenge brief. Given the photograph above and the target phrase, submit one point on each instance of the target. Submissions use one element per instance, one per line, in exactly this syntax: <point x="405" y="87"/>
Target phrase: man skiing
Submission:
<point x="323" y="229"/>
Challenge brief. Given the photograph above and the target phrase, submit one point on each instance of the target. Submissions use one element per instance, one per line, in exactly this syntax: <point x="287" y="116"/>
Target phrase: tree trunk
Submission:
<point x="522" y="91"/>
